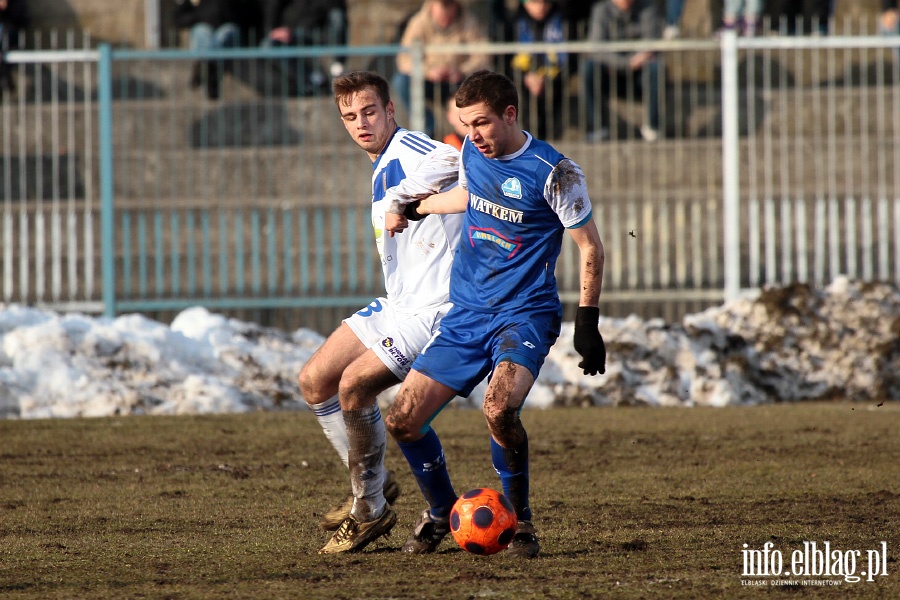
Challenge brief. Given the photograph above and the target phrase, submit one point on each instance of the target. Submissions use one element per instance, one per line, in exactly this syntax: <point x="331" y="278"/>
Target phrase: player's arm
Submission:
<point x="590" y="247"/>
<point x="588" y="341"/>
<point x="566" y="191"/>
<point x="452" y="201"/>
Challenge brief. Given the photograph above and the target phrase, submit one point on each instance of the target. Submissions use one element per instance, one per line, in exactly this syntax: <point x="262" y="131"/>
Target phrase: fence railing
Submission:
<point x="125" y="189"/>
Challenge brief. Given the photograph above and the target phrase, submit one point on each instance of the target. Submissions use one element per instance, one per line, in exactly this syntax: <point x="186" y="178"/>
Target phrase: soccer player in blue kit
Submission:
<point x="519" y="195"/>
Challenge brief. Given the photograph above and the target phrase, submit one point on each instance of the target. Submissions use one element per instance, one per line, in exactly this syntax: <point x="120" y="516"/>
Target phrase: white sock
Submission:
<point x="330" y="418"/>
<point x="365" y="430"/>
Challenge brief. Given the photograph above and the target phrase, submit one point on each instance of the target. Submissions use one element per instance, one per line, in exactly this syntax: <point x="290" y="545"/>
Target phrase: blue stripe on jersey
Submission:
<point x="418" y="144"/>
<point x="391" y="175"/>
<point x="582" y="222"/>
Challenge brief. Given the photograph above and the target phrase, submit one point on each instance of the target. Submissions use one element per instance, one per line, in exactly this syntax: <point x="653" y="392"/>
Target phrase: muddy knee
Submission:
<point x="399" y="422"/>
<point x="504" y="424"/>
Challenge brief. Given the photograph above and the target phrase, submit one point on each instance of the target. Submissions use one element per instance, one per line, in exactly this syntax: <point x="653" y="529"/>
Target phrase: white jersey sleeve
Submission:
<point x="436" y="172"/>
<point x="417" y="261"/>
<point x="567" y="193"/>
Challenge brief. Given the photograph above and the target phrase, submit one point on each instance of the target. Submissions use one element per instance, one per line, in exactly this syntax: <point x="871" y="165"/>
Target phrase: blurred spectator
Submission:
<point x="742" y="16"/>
<point x="458" y="135"/>
<point x="577" y="14"/>
<point x="539" y="76"/>
<point x="439" y="22"/>
<point x="497" y="18"/>
<point x="213" y="25"/>
<point x="802" y="17"/>
<point x="889" y="20"/>
<point x="674" y="10"/>
<point x="626" y="74"/>
<point x="13" y="17"/>
<point x="307" y="23"/>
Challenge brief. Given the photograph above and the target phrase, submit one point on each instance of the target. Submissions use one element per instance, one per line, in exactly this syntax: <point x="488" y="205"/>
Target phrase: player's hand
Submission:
<point x="588" y="341"/>
<point x="411" y="211"/>
<point x="395" y="223"/>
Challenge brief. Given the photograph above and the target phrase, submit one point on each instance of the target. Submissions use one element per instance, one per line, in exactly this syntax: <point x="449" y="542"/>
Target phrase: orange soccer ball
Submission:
<point x="483" y="521"/>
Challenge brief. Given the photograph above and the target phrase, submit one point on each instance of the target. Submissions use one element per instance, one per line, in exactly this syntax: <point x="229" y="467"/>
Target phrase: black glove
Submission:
<point x="588" y="341"/>
<point x="411" y="213"/>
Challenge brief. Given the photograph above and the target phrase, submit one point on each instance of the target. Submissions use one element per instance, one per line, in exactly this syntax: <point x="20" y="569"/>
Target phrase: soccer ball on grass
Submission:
<point x="483" y="521"/>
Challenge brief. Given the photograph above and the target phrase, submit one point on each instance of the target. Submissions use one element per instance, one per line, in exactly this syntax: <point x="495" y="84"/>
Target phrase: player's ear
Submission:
<point x="389" y="109"/>
<point x="510" y="114"/>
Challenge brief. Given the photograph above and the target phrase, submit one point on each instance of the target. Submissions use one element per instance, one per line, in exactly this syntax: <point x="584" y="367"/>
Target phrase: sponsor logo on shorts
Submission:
<point x="394" y="352"/>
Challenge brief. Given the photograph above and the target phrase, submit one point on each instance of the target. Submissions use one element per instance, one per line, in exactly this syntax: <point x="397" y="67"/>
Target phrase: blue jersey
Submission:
<point x="519" y="205"/>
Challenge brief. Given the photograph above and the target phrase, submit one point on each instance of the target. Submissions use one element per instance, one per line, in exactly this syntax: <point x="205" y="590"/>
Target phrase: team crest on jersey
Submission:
<point x="387" y="342"/>
<point x="512" y="187"/>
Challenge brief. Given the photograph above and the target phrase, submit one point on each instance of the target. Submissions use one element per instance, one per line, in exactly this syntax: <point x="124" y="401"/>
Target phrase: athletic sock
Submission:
<point x="511" y="465"/>
<point x="426" y="460"/>
<point x="367" y="439"/>
<point x="328" y="414"/>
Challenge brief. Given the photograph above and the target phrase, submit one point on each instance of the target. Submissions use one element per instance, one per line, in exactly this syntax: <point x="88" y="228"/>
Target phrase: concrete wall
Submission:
<point x="119" y="21"/>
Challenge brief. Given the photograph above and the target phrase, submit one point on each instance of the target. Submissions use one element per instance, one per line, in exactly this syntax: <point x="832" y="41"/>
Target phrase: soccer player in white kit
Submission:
<point x="373" y="349"/>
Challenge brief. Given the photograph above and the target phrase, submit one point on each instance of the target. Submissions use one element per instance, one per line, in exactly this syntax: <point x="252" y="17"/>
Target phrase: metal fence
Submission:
<point x="124" y="189"/>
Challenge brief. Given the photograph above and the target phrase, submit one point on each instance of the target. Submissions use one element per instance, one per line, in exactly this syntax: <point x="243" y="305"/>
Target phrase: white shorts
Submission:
<point x="396" y="337"/>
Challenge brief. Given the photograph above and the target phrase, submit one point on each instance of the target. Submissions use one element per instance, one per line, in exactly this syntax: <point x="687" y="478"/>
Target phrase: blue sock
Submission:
<point x="426" y="459"/>
<point x="511" y="465"/>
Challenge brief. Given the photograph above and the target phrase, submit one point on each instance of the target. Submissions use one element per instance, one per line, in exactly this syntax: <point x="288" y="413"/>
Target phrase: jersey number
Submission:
<point x="373" y="307"/>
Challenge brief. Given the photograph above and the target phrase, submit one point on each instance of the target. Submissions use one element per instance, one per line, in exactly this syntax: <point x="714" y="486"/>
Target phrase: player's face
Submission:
<point x="368" y="122"/>
<point x="494" y="135"/>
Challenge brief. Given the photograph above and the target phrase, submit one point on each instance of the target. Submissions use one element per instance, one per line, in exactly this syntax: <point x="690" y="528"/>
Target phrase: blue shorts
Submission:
<point x="468" y="344"/>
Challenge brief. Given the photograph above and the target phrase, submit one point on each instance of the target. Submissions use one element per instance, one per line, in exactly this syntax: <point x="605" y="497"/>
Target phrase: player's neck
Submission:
<point x="373" y="156"/>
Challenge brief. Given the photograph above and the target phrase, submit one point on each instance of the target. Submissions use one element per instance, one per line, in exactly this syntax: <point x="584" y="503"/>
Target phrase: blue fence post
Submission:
<point x="107" y="216"/>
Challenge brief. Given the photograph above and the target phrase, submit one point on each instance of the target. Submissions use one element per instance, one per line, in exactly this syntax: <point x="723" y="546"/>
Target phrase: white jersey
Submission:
<point x="417" y="261"/>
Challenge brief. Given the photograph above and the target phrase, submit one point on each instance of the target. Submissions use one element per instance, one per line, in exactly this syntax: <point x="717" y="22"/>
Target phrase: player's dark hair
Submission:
<point x="494" y="89"/>
<point x="346" y="85"/>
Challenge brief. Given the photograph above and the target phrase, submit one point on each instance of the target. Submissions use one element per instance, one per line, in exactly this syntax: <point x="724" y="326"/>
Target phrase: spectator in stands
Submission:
<point x="802" y="17"/>
<point x="213" y="25"/>
<point x="577" y="14"/>
<point x="497" y="18"/>
<point x="307" y="23"/>
<point x="458" y="135"/>
<point x="539" y="76"/>
<point x="626" y="74"/>
<point x="742" y="16"/>
<point x="674" y="9"/>
<point x="889" y="21"/>
<point x="13" y="17"/>
<point x="439" y="22"/>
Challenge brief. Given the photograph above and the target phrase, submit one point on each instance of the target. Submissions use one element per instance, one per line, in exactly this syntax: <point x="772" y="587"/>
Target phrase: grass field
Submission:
<point x="629" y="503"/>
